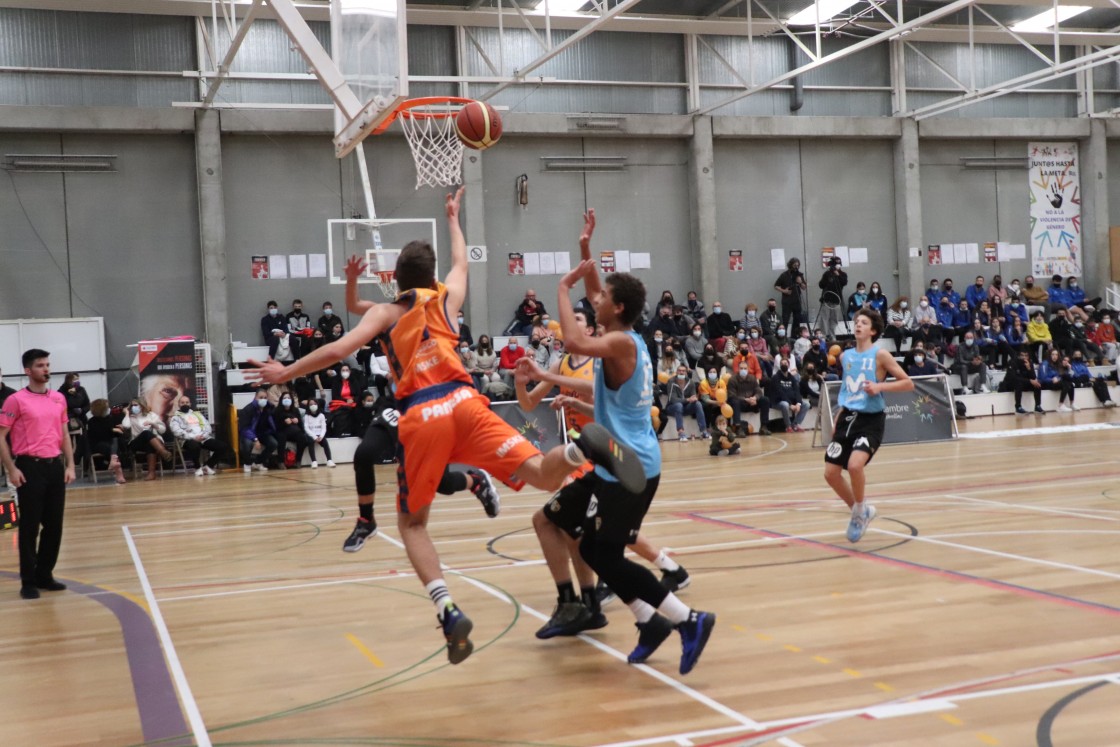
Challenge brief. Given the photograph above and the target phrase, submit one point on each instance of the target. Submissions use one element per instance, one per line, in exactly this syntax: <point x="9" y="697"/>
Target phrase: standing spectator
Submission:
<point x="1054" y="373"/>
<point x="694" y="344"/>
<point x="191" y="427"/>
<point x="257" y="431"/>
<point x="272" y="327"/>
<point x="299" y="326"/>
<point x="683" y="399"/>
<point x="832" y="284"/>
<point x="529" y="308"/>
<point x="1023" y="377"/>
<point x="145" y="429"/>
<point x="507" y="360"/>
<point x="745" y="393"/>
<point x="720" y="325"/>
<point x="315" y="425"/>
<point x="40" y="464"/>
<point x="106" y="436"/>
<point x="1035" y="296"/>
<point x="857" y="300"/>
<point x="876" y="300"/>
<point x="289" y="426"/>
<point x="899" y="322"/>
<point x="1102" y="335"/>
<point x="328" y="320"/>
<point x="787" y="397"/>
<point x="791" y="284"/>
<point x="464" y="331"/>
<point x="976" y="293"/>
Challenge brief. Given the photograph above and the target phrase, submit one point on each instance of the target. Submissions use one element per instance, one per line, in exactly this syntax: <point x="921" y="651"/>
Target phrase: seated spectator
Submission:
<point x="694" y="308"/>
<point x="667" y="300"/>
<point x="683" y="399"/>
<point x="920" y="364"/>
<point x="289" y="426"/>
<point x="1082" y="377"/>
<point x="876" y="300"/>
<point x="899" y="322"/>
<point x="77" y="401"/>
<point x="786" y="391"/>
<point x="751" y="320"/>
<point x="983" y="314"/>
<point x="933" y="294"/>
<point x="1038" y="335"/>
<point x="976" y="293"/>
<point x="464" y="330"/>
<point x="1035" y="296"/>
<point x="272" y="326"/>
<point x="470" y="362"/>
<point x="1023" y="377"/>
<point x="364" y="413"/>
<point x="315" y="426"/>
<point x="540" y="349"/>
<point x="744" y="392"/>
<point x="720" y="325"/>
<point x="1056" y="295"/>
<point x="556" y="349"/>
<point x="780" y="346"/>
<point x="926" y="315"/>
<point x="379" y="371"/>
<point x="538" y="330"/>
<point x="328" y="319"/>
<point x="1055" y="374"/>
<point x="333" y="334"/>
<point x="1078" y="304"/>
<point x="695" y="344"/>
<point x="802" y="344"/>
<point x="995" y="309"/>
<point x="770" y="321"/>
<point x="996" y="289"/>
<point x="1014" y="341"/>
<point x="723" y="439"/>
<point x="752" y="362"/>
<point x="284" y="352"/>
<point x="145" y="429"/>
<point x="528" y="308"/>
<point x="946" y="314"/>
<point x="299" y="326"/>
<point x="106" y="436"/>
<point x="348" y="387"/>
<point x="1079" y="341"/>
<point x="682" y="324"/>
<point x="1014" y="289"/>
<point x="760" y="346"/>
<point x="1015" y="309"/>
<point x="669" y="361"/>
<point x="711" y="384"/>
<point x="811" y="384"/>
<point x="962" y="320"/>
<point x="487" y="371"/>
<point x="663" y="323"/>
<point x="731" y="344"/>
<point x="970" y="365"/>
<point x="817" y="357"/>
<point x="999" y="352"/>
<point x="948" y="292"/>
<point x="710" y="359"/>
<point x="192" y="429"/>
<point x="258" y="433"/>
<point x="857" y="300"/>
<point x="507" y="361"/>
<point x="1103" y="335"/>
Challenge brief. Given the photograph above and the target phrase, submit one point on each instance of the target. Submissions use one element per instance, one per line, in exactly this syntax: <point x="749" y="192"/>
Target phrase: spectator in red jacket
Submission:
<point x="508" y="358"/>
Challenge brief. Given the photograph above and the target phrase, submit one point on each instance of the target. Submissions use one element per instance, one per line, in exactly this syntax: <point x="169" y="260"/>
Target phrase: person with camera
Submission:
<point x="832" y="295"/>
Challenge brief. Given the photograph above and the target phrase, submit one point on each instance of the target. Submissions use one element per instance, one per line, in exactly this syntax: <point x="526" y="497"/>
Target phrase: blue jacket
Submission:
<point x="975" y="296"/>
<point x="953" y="296"/>
<point x="1079" y="369"/>
<point x="945" y="316"/>
<point x="1047" y="372"/>
<point x="934" y="297"/>
<point x="879" y="304"/>
<point x="1011" y="312"/>
<point x="1058" y="294"/>
<point x="962" y="318"/>
<point x="254" y="421"/>
<point x="1013" y="337"/>
<point x="1075" y="295"/>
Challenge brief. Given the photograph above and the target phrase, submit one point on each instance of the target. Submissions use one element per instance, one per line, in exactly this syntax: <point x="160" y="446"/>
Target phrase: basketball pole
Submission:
<point x="367" y="191"/>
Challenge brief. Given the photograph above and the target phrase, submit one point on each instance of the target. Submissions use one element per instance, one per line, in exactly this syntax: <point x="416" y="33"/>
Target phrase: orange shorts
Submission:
<point x="458" y="427"/>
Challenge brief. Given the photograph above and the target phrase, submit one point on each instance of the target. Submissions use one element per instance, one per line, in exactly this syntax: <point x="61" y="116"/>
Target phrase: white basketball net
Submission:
<point x="436" y="149"/>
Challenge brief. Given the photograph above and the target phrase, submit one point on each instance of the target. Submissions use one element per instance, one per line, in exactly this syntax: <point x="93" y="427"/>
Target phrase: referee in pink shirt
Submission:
<point x="42" y="467"/>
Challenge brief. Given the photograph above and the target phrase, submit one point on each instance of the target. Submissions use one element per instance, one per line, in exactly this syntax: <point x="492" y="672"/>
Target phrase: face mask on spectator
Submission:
<point x="810" y="370"/>
<point x="741" y="335"/>
<point x="545" y="320"/>
<point x="682" y="377"/>
<point x="287" y="402"/>
<point x="781" y="332"/>
<point x="772" y="307"/>
<point x="712" y="376"/>
<point x="346" y="374"/>
<point x="657" y="338"/>
<point x="464" y="350"/>
<point x="297" y="308"/>
<point x="785" y="366"/>
<point x="1072" y="284"/>
<point x="513" y="344"/>
<point x="924" y="304"/>
<point x="328" y="311"/>
<point x="1106" y="320"/>
<point x="313" y="409"/>
<point x="460" y="319"/>
<point x="874" y="289"/>
<point x="184" y="409"/>
<point x="742" y="373"/>
<point x="1079" y="325"/>
<point x="262" y="401"/>
<point x="919" y="359"/>
<point x="717" y="309"/>
<point x="535" y="343"/>
<point x="754" y="335"/>
<point x="367" y="405"/>
<point x="903" y="304"/>
<point x="273" y="311"/>
<point x="668" y="350"/>
<point x="696" y="333"/>
<point x="933" y="286"/>
<point x="751" y="314"/>
<point x="135" y="409"/>
<point x="1014" y="287"/>
<point x="968" y="341"/>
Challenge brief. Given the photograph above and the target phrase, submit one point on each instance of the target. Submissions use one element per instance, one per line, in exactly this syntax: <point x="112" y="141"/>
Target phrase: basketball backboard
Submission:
<point x="378" y="242"/>
<point x="369" y="45"/>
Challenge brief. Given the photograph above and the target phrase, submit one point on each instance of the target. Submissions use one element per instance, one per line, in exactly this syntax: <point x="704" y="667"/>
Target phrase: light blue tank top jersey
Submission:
<point x="625" y="411"/>
<point x="858" y="369"/>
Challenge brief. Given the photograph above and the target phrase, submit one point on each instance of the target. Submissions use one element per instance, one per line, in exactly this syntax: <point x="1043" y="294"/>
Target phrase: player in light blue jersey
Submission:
<point x="861" y="420"/>
<point x="624" y="387"/>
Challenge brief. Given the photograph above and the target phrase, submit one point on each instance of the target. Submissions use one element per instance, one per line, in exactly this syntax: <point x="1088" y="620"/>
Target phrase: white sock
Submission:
<point x="857" y="509"/>
<point x="643" y="611"/>
<point x="573" y="455"/>
<point x="665" y="563"/>
<point x="441" y="597"/>
<point x="674" y="609"/>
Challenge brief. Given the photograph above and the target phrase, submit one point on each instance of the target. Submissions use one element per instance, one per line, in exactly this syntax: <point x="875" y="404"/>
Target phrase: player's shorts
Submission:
<point x="600" y="508"/>
<point x="855" y="431"/>
<point x="456" y="426"/>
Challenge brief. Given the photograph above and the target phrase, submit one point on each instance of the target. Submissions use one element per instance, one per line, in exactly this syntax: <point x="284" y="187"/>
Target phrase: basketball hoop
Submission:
<point x="387" y="279"/>
<point x="429" y="125"/>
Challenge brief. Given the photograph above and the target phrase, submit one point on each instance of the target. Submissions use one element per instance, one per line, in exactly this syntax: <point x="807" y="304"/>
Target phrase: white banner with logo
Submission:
<point x="1055" y="188"/>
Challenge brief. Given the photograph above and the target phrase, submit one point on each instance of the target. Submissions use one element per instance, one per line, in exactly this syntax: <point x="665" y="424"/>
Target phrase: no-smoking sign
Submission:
<point x="476" y="253"/>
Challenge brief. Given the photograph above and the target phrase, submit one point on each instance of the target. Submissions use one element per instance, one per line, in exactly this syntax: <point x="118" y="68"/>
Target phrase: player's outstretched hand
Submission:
<point x="579" y="272"/>
<point x="355" y="267"/>
<point x="529" y="367"/>
<point x="588" y="228"/>
<point x="453" y="203"/>
<point x="269" y="372"/>
<point x="560" y="400"/>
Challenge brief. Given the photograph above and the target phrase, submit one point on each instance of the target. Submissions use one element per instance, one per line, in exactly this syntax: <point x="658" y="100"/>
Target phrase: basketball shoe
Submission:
<point x="485" y="492"/>
<point x="858" y="525"/>
<point x="651" y="634"/>
<point x="363" y="530"/>
<point x="604" y="595"/>
<point x="456" y="629"/>
<point x="598" y="445"/>
<point x="695" y="632"/>
<point x="570" y="618"/>
<point x="675" y="580"/>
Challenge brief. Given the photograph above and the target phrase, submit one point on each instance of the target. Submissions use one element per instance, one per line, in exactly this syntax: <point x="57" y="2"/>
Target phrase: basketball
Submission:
<point x="835" y="350"/>
<point x="478" y="125"/>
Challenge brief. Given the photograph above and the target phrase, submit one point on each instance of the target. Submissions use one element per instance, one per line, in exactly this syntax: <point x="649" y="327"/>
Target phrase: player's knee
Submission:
<point x="540" y="522"/>
<point x="856" y="466"/>
<point x="831" y="471"/>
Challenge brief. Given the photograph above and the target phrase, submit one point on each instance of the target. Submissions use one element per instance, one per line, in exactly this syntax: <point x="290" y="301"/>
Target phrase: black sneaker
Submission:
<point x="604" y="595"/>
<point x="569" y="618"/>
<point x="50" y="584"/>
<point x="675" y="580"/>
<point x="485" y="492"/>
<point x="650" y="635"/>
<point x="598" y="445"/>
<point x="363" y="530"/>
<point x="695" y="632"/>
<point x="28" y="592"/>
<point x="456" y="629"/>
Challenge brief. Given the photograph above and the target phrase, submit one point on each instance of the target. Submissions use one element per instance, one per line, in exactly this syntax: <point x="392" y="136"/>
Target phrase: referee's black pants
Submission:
<point x="42" y="499"/>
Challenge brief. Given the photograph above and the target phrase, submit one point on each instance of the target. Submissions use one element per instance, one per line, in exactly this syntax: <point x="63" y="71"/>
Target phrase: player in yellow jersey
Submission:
<point x="443" y="418"/>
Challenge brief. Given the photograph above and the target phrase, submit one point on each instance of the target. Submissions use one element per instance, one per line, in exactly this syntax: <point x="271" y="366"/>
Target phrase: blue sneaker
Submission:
<point x="485" y="492"/>
<point x="858" y="525"/>
<point x="456" y="629"/>
<point x="695" y="632"/>
<point x="650" y="635"/>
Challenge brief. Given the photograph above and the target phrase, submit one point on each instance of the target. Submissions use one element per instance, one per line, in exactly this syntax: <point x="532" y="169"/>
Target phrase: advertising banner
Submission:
<point x="166" y="373"/>
<point x="1054" y="182"/>
<point x="925" y="414"/>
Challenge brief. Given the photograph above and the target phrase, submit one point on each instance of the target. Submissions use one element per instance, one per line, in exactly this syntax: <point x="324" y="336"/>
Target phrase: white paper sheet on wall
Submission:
<point x="972" y="253"/>
<point x="278" y="266"/>
<point x="960" y="256"/>
<point x="639" y="261"/>
<point x="563" y="262"/>
<point x="317" y="265"/>
<point x="1003" y="251"/>
<point x="858" y="254"/>
<point x="1017" y="251"/>
<point x="532" y="263"/>
<point x="548" y="263"/>
<point x="844" y="255"/>
<point x="622" y="261"/>
<point x="778" y="259"/>
<point x="297" y="264"/>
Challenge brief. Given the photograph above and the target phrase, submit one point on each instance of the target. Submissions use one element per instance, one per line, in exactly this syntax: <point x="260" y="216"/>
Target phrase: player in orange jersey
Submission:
<point x="443" y="418"/>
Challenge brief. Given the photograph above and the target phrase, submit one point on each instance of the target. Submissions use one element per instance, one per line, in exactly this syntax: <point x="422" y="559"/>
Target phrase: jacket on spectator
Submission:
<point x="953" y="296"/>
<point x="879" y="303"/>
<point x="1023" y="371"/>
<point x="1016" y="309"/>
<point x="465" y="334"/>
<point x="754" y="368"/>
<point x="707" y="389"/>
<point x="743" y="387"/>
<point x="326" y="322"/>
<point x="134" y="425"/>
<point x="1102" y="334"/>
<point x="925" y="368"/>
<point x="720" y="325"/>
<point x="284" y="417"/>
<point x="832" y="284"/>
<point x="975" y="296"/>
<point x="1047" y="372"/>
<point x="1056" y="294"/>
<point x="925" y="316"/>
<point x="352" y="388"/>
<point x="529" y="308"/>
<point x="962" y="318"/>
<point x="855" y="303"/>
<point x="678" y="392"/>
<point x="1014" y="337"/>
<point x="188" y="426"/>
<point x="1038" y="332"/>
<point x="707" y="362"/>
<point x="946" y="315"/>
<point x="77" y="401"/>
<point x="508" y="358"/>
<point x="786" y="387"/>
<point x="770" y="320"/>
<point x="1079" y="370"/>
<point x="694" y="347"/>
<point x="1061" y="331"/>
<point x="1075" y="296"/>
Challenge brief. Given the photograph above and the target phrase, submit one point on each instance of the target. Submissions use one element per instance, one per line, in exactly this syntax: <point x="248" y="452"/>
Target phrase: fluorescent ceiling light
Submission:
<point x="561" y="7"/>
<point x="829" y="9"/>
<point x="1045" y="20"/>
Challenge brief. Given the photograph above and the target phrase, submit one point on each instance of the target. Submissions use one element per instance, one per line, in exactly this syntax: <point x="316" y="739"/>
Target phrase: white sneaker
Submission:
<point x="1075" y="408"/>
<point x="199" y="472"/>
<point x="247" y="468"/>
<point x="984" y="389"/>
<point x="1064" y="408"/>
<point x="330" y="462"/>
<point x="314" y="464"/>
<point x="260" y="468"/>
<point x="209" y="470"/>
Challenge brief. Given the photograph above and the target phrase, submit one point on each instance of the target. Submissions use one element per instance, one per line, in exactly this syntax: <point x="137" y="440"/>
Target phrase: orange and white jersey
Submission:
<point x="422" y="347"/>
<point x="586" y="371"/>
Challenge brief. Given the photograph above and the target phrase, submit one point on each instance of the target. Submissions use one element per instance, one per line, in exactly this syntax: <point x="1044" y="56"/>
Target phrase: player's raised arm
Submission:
<point x="456" y="280"/>
<point x="591" y="284"/>
<point x="575" y="342"/>
<point x="355" y="267"/>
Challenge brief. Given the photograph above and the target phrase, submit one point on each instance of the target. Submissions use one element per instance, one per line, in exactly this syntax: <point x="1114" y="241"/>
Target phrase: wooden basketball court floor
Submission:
<point x="982" y="608"/>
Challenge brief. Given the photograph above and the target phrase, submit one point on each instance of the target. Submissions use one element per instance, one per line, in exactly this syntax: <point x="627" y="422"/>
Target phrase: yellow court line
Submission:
<point x="852" y="673"/>
<point x="763" y="637"/>
<point x="884" y="687"/>
<point x="950" y="718"/>
<point x="986" y="738"/>
<point x="791" y="647"/>
<point x="822" y="660"/>
<point x="739" y="628"/>
<point x="365" y="651"/>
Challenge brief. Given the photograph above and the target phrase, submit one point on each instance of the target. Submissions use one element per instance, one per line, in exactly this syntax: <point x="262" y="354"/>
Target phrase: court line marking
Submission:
<point x="1041" y="509"/>
<point x="666" y="679"/>
<point x="365" y="650"/>
<point x="1040" y="431"/>
<point x="194" y="716"/>
<point x="222" y="527"/>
